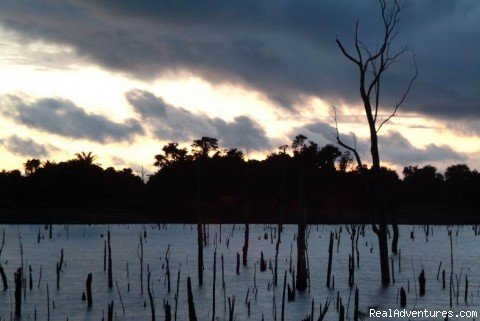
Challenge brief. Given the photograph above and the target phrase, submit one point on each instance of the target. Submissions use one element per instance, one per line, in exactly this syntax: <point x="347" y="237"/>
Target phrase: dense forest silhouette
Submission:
<point x="331" y="190"/>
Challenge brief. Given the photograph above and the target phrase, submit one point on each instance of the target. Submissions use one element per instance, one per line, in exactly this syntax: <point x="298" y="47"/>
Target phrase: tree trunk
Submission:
<point x="330" y="254"/>
<point x="200" y="254"/>
<point x="245" y="245"/>
<point x="383" y="249"/>
<point x="395" y="237"/>
<point x="302" y="272"/>
<point x="110" y="277"/>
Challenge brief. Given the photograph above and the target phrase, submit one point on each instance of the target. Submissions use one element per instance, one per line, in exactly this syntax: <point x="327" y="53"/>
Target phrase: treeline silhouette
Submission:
<point x="225" y="186"/>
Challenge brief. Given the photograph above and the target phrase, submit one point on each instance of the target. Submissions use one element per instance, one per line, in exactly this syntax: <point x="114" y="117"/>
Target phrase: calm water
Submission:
<point x="83" y="249"/>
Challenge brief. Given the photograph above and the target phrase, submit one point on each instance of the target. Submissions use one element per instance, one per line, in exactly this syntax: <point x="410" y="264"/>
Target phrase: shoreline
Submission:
<point x="405" y="216"/>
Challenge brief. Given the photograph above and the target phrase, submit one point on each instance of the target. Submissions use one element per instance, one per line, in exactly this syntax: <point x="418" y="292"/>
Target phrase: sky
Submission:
<point x="122" y="78"/>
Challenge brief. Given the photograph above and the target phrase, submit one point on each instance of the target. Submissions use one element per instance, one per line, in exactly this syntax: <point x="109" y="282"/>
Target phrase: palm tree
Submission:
<point x="86" y="158"/>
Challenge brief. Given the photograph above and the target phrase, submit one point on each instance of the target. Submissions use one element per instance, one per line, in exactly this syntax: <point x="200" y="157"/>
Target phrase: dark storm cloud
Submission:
<point x="394" y="147"/>
<point x="177" y="124"/>
<point x="285" y="49"/>
<point x="26" y="147"/>
<point x="64" y="118"/>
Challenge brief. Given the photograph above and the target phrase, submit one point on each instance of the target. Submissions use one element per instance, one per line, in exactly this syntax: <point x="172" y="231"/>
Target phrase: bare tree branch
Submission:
<point x="341" y="143"/>
<point x="404" y="96"/>
<point x="346" y="54"/>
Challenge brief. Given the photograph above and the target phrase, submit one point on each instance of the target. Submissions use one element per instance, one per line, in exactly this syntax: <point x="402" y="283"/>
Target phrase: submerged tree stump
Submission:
<point x="191" y="305"/>
<point x="403" y="297"/>
<point x="4" y="278"/>
<point x="421" y="282"/>
<point x="110" y="312"/>
<point x="18" y="292"/>
<point x="263" y="264"/>
<point x="168" y="312"/>
<point x="238" y="263"/>
<point x="89" y="290"/>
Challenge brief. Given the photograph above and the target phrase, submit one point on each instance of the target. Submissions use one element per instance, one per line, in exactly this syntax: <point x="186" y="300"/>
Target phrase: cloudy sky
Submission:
<point x="121" y="78"/>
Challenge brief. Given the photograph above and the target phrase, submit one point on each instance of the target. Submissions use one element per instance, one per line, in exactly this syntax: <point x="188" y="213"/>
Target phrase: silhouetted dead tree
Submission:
<point x="140" y="257"/>
<point x="302" y="271"/>
<point x="200" y="253"/>
<point x="372" y="64"/>
<point x="245" y="243"/>
<point x="330" y="257"/>
<point x="110" y="277"/>
<point x="213" y="285"/>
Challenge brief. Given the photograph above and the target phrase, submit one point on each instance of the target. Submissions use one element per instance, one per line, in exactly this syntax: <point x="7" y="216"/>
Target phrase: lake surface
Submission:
<point x="83" y="248"/>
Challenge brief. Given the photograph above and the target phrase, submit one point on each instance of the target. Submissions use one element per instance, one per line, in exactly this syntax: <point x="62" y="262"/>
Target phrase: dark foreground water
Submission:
<point x="84" y="250"/>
